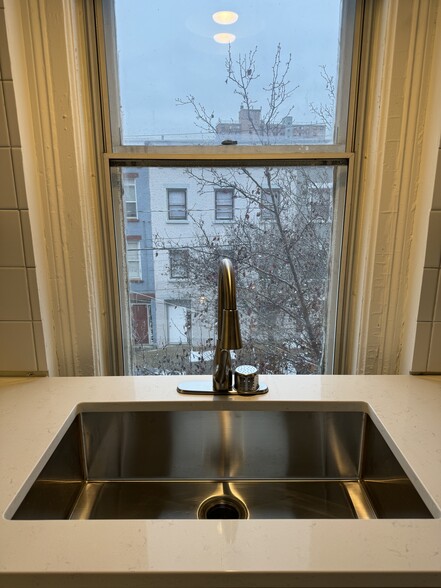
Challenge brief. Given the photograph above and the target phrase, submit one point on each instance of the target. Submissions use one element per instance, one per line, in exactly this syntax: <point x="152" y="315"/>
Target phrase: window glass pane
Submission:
<point x="177" y="204"/>
<point x="275" y="73"/>
<point x="286" y="274"/>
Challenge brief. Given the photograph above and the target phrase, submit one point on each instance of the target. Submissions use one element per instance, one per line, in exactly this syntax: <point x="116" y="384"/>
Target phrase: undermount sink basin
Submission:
<point x="259" y="464"/>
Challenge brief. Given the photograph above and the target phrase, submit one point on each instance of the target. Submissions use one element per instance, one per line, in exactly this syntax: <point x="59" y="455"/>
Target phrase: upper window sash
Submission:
<point x="189" y="120"/>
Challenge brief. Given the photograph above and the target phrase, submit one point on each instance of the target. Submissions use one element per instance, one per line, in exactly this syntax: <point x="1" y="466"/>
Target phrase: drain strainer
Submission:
<point x="222" y="507"/>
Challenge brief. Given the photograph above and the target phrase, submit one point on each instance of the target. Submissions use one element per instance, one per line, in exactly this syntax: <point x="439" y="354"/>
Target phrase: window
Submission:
<point x="129" y="191"/>
<point x="134" y="268"/>
<point x="177" y="204"/>
<point x="269" y="203"/>
<point x="262" y="124"/>
<point x="224" y="204"/>
<point x="178" y="263"/>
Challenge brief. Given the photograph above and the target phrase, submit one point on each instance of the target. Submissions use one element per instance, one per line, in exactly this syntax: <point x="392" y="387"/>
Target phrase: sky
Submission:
<point x="166" y="51"/>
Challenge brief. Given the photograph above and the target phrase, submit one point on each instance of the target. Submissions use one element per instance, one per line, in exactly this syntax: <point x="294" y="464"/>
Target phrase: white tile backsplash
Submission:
<point x="5" y="62"/>
<point x="433" y="251"/>
<point x="33" y="293"/>
<point x="21" y="333"/>
<point x="11" y="113"/>
<point x="14" y="297"/>
<point x="427" y="352"/>
<point x="7" y="191"/>
<point x="428" y="294"/>
<point x="422" y="347"/>
<point x="17" y="347"/>
<point x="4" y="133"/>
<point x="39" y="346"/>
<point x="437" y="190"/>
<point x="434" y="361"/>
<point x="20" y="187"/>
<point x="27" y="238"/>
<point x="437" y="310"/>
<point x="11" y="240"/>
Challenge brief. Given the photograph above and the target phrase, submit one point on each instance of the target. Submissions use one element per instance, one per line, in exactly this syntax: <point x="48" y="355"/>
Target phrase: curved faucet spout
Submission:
<point x="228" y="327"/>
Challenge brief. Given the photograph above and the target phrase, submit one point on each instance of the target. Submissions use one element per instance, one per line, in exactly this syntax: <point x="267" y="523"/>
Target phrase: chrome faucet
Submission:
<point x="228" y="338"/>
<point x="228" y="328"/>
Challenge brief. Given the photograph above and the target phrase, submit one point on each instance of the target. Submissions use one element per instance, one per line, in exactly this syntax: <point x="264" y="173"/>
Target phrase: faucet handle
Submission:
<point x="246" y="381"/>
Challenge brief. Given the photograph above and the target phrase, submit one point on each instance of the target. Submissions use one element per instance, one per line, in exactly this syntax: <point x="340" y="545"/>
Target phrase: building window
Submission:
<point x="134" y="265"/>
<point x="130" y="197"/>
<point x="269" y="204"/>
<point x="224" y="204"/>
<point x="177" y="204"/>
<point x="179" y="259"/>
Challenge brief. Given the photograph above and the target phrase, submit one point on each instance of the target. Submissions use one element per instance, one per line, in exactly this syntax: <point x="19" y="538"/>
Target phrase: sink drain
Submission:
<point x="222" y="507"/>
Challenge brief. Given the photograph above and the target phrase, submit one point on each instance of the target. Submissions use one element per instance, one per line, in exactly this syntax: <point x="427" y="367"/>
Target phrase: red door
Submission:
<point x="140" y="323"/>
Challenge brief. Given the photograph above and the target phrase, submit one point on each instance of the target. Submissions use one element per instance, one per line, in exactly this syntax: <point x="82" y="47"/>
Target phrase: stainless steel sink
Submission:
<point x="256" y="464"/>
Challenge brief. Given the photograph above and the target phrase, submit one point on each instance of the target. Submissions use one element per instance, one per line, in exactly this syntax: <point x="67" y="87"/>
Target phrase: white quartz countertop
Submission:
<point x="250" y="553"/>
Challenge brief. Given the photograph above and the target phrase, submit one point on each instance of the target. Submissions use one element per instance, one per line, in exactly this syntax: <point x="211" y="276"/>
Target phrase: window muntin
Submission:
<point x="230" y="94"/>
<point x="224" y="204"/>
<point x="177" y="204"/>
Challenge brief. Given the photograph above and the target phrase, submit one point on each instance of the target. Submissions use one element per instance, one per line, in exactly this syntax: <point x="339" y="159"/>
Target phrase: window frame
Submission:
<point x="252" y="155"/>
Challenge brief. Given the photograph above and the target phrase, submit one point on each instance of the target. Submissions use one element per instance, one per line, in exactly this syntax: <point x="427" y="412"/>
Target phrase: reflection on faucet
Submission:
<point x="228" y="338"/>
<point x="228" y="328"/>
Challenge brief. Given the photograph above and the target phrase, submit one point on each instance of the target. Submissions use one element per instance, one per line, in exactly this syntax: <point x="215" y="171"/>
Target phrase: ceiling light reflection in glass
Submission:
<point x="225" y="17"/>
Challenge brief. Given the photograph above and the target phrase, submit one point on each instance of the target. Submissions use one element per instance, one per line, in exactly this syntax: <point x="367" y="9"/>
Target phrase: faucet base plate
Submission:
<point x="205" y="387"/>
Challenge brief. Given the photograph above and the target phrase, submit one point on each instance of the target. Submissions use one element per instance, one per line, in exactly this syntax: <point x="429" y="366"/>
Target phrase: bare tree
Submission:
<point x="281" y="236"/>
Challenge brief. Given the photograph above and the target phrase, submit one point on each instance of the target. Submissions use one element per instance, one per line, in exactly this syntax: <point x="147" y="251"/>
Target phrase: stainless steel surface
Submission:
<point x="246" y="379"/>
<point x="190" y="464"/>
<point x="228" y="328"/>
<point x="206" y="387"/>
<point x="228" y="338"/>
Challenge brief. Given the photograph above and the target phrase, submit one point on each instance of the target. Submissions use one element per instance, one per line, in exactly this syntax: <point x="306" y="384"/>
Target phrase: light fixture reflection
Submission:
<point x="225" y="17"/>
<point x="224" y="38"/>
